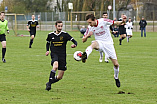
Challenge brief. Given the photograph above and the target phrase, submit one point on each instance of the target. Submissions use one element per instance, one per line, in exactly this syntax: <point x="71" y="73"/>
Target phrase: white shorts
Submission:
<point x="108" y="49"/>
<point x="129" y="31"/>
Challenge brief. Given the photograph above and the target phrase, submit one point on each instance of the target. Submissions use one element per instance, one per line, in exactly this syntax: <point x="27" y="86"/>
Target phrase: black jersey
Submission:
<point x="121" y="27"/>
<point x="32" y="25"/>
<point x="58" y="42"/>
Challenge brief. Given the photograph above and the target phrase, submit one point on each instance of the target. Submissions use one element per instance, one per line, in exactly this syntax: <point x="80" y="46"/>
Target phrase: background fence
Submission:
<point x="74" y="20"/>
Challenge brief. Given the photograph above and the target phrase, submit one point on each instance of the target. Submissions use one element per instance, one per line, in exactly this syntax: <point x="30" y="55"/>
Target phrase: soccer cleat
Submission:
<point x="117" y="82"/>
<point x="30" y="47"/>
<point x="48" y="86"/>
<point x="106" y="61"/>
<point x="3" y="59"/>
<point x="84" y="57"/>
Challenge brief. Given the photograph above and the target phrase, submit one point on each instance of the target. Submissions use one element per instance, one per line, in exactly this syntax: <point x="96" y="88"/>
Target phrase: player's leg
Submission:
<point x="144" y="32"/>
<point x="89" y="49"/>
<point x="141" y="32"/>
<point x="128" y="36"/>
<point x="116" y="68"/>
<point x="52" y="78"/>
<point x="106" y="58"/>
<point x="3" y="50"/>
<point x="101" y="56"/>
<point x="31" y="41"/>
<point x="120" y="40"/>
<point x="55" y="65"/>
<point x="123" y="36"/>
<point x="60" y="75"/>
<point x="109" y="49"/>
<point x="116" y="71"/>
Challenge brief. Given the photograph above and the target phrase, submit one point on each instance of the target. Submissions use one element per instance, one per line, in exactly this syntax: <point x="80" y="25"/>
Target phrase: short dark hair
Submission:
<point x="2" y="12"/>
<point x="58" y="22"/>
<point x="104" y="13"/>
<point x="90" y="16"/>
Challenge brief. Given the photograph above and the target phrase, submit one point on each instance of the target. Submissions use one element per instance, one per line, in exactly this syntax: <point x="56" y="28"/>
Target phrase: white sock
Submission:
<point x="101" y="55"/>
<point x="89" y="50"/>
<point x="116" y="72"/>
<point x="106" y="57"/>
<point x="127" y="38"/>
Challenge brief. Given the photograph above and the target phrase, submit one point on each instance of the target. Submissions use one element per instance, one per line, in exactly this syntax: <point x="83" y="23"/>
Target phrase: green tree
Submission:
<point x="25" y="6"/>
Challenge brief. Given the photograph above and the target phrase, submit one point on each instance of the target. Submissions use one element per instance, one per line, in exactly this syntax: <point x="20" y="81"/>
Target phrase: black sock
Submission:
<point x="3" y="52"/>
<point x="52" y="78"/>
<point x="31" y="42"/>
<point x="123" y="38"/>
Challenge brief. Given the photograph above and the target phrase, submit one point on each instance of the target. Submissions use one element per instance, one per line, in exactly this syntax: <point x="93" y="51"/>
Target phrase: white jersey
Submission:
<point x="102" y="32"/>
<point x="87" y="30"/>
<point x="129" y="27"/>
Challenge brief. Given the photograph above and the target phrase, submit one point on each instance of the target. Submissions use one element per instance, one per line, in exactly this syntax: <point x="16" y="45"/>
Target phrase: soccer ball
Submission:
<point x="78" y="55"/>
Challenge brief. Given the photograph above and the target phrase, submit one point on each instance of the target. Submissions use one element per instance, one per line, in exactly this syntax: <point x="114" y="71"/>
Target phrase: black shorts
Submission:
<point x="2" y="37"/>
<point x="32" y="33"/>
<point x="122" y="32"/>
<point x="61" y="61"/>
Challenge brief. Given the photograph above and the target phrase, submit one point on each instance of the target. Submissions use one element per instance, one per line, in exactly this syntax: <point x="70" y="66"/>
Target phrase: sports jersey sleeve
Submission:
<point x="88" y="30"/>
<point x="48" y="43"/>
<point x="28" y="23"/>
<point x="108" y="21"/>
<point x="6" y="28"/>
<point x="69" y="38"/>
<point x="48" y="38"/>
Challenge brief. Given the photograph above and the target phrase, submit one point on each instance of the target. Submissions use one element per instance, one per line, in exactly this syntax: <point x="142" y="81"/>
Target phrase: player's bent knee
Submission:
<point x="116" y="65"/>
<point x="55" y="67"/>
<point x="59" y="77"/>
<point x="4" y="46"/>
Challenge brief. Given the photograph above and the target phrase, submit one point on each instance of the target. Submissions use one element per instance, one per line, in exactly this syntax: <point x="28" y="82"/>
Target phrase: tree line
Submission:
<point x="27" y="6"/>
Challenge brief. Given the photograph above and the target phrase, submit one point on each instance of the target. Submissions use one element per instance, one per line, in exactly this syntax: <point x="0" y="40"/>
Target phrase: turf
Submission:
<point x="23" y="77"/>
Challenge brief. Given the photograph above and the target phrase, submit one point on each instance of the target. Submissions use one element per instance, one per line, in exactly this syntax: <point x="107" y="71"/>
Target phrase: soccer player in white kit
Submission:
<point x="103" y="41"/>
<point x="105" y="15"/>
<point x="129" y="27"/>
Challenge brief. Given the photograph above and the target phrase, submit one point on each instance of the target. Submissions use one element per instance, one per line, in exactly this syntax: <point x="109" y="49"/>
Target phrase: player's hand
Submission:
<point x="28" y="29"/>
<point x="47" y="53"/>
<point x="84" y="39"/>
<point x="73" y="46"/>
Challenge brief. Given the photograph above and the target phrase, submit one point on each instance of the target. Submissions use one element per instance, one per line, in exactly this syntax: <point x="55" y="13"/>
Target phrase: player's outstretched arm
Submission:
<point x="121" y="22"/>
<point x="28" y="28"/>
<point x="118" y="22"/>
<point x="75" y="43"/>
<point x="47" y="48"/>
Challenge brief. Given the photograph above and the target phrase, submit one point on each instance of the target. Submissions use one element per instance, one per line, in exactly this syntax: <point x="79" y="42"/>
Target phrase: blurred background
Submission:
<point x="72" y="12"/>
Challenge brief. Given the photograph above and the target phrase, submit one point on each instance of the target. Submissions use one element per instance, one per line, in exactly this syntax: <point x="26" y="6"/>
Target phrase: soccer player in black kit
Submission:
<point x="122" y="29"/>
<point x="57" y="41"/>
<point x="31" y="27"/>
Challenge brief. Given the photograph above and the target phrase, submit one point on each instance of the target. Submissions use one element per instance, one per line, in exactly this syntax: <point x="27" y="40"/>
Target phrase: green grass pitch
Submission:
<point x="23" y="77"/>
